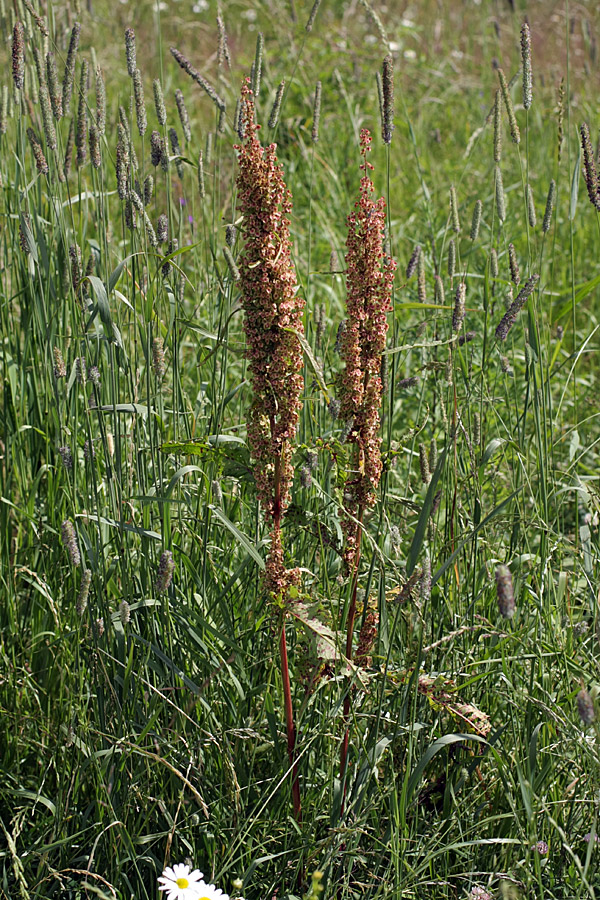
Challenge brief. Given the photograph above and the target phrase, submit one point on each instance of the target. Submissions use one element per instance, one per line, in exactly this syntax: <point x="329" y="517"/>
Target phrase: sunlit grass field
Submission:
<point x="145" y="701"/>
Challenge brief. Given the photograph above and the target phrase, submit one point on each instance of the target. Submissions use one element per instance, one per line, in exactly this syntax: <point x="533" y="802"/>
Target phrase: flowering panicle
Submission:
<point x="18" y="55"/>
<point x="526" y="62"/>
<point x="549" y="207"/>
<point x="510" y="317"/>
<point x="505" y="592"/>
<point x="67" y="85"/>
<point x="69" y="539"/>
<point x="189" y="69"/>
<point x="273" y="324"/>
<point x="589" y="166"/>
<point x="369" y="279"/>
<point x="164" y="576"/>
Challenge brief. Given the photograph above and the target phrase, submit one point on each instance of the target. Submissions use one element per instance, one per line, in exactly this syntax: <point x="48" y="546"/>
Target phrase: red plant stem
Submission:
<point x="349" y="636"/>
<point x="285" y="670"/>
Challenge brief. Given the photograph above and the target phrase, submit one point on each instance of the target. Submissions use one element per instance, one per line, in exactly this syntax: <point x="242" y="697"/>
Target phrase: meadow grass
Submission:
<point x="143" y="706"/>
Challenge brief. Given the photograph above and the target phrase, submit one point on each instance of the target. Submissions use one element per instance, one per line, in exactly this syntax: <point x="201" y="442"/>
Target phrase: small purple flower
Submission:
<point x="479" y="893"/>
<point x="191" y="220"/>
<point x="182" y="201"/>
<point x="587" y="838"/>
<point x="541" y="847"/>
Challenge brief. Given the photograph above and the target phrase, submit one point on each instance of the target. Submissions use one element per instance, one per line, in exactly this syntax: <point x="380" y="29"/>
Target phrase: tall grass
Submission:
<point x="142" y="691"/>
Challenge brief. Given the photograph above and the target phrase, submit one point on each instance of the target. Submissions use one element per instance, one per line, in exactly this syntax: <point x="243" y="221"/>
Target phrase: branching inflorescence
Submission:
<point x="370" y="274"/>
<point x="273" y="321"/>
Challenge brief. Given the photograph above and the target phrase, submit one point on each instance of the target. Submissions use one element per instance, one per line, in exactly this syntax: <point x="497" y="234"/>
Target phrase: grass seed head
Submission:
<point x="505" y="592"/>
<point x="526" y="65"/>
<point x="69" y="539"/>
<point x="18" y="55"/>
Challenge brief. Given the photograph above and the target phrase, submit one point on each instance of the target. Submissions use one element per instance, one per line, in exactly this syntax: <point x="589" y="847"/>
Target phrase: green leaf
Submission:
<point x="421" y="529"/>
<point x="445" y="741"/>
<point x="238" y="535"/>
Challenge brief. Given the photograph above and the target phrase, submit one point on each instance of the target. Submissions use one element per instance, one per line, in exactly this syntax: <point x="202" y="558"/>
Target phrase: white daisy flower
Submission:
<point x="210" y="892"/>
<point x="180" y="883"/>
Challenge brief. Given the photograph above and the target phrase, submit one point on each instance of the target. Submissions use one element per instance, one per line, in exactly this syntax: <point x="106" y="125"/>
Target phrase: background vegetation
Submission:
<point x="148" y="726"/>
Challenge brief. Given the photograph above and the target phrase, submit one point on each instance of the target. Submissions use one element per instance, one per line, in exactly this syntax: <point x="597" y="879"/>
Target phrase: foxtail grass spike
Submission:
<point x="69" y="539"/>
<point x="258" y="61"/>
<point x="388" y="99"/>
<point x="162" y="229"/>
<point x="164" y="576"/>
<point x="148" y="189"/>
<point x="41" y="163"/>
<point x="223" y="56"/>
<point x="138" y="203"/>
<point x="476" y="220"/>
<point x="95" y="150"/>
<point x="433" y="454"/>
<point x="230" y="235"/>
<point x="316" y="113"/>
<point x="494" y="269"/>
<point x="452" y="258"/>
<point x="176" y="150"/>
<point x="424" y="464"/>
<point x="69" y="149"/>
<point x="454" y="211"/>
<point x="156" y="148"/>
<point x="47" y="119"/>
<point x="500" y="198"/>
<point x="158" y="357"/>
<point x="498" y="127"/>
<point x="439" y="293"/>
<point x="67" y="85"/>
<point x="140" y="106"/>
<point x="526" y="65"/>
<point x="413" y="262"/>
<point x="197" y="77"/>
<point x="84" y="591"/>
<point x="36" y="17"/>
<point x="510" y="317"/>
<point x="505" y="592"/>
<point x="159" y="102"/>
<point x="60" y="369"/>
<point x="560" y="109"/>
<point x="549" y="207"/>
<point x="4" y="109"/>
<point x="222" y="121"/>
<point x="18" y="55"/>
<point x="183" y="115"/>
<point x="515" y="274"/>
<point x="589" y="166"/>
<point x="122" y="162"/>
<point x="81" y="136"/>
<point x="100" y="102"/>
<point x="130" y="54"/>
<point x="512" y="119"/>
<point x="458" y="316"/>
<point x="313" y="16"/>
<point x="531" y="215"/>
<point x="276" y="108"/>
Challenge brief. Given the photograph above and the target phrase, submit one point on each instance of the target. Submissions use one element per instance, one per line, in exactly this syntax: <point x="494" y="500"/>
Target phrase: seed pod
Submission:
<point x="514" y="265"/>
<point x="500" y="198"/>
<point x="316" y="113"/>
<point x="140" y="106"/>
<point x="164" y="575"/>
<point x="585" y="707"/>
<point x="413" y="262"/>
<point x="526" y="64"/>
<point x="162" y="229"/>
<point x="505" y="592"/>
<point x="458" y="315"/>
<point x="18" y="55"/>
<point x="158" y="357"/>
<point x="531" y="208"/>
<point x="69" y="539"/>
<point x="81" y="137"/>
<point x="549" y="207"/>
<point x="512" y="120"/>
<point x="54" y="90"/>
<point x="67" y="85"/>
<point x="454" y="211"/>
<point x="476" y="220"/>
<point x="159" y="103"/>
<point x="84" y="591"/>
<point x="233" y="269"/>
<point x="388" y="99"/>
<point x="424" y="464"/>
<point x="510" y="317"/>
<point x="497" y="127"/>
<point x="130" y="51"/>
<point x="452" y="258"/>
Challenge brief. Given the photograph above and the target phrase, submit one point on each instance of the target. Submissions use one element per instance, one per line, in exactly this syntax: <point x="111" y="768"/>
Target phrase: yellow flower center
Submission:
<point x="182" y="883"/>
